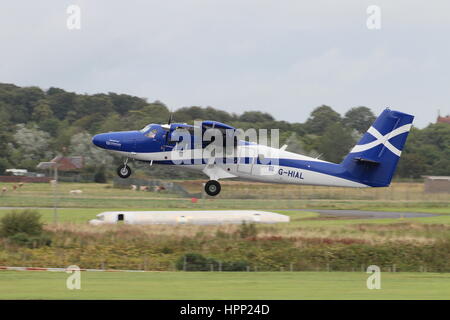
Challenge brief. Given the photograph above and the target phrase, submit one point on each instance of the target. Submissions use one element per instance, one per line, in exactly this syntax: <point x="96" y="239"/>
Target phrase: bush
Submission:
<point x="234" y="266"/>
<point x="197" y="262"/>
<point x="26" y="222"/>
<point x="100" y="175"/>
<point x="247" y="230"/>
<point x="23" y="239"/>
<point x="3" y="166"/>
<point x="193" y="262"/>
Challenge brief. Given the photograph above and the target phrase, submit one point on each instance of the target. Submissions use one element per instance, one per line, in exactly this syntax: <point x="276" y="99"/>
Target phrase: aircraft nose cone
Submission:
<point x="99" y="140"/>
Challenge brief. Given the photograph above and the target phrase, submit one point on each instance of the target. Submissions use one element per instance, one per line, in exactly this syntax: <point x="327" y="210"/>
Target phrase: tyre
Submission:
<point x="212" y="188"/>
<point x="124" y="171"/>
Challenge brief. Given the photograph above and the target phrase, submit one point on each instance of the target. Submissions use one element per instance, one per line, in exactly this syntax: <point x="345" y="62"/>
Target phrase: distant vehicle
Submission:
<point x="371" y="162"/>
<point x="16" y="172"/>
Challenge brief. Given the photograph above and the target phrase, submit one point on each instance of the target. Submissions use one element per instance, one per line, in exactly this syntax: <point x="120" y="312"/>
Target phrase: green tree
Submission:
<point x="411" y="165"/>
<point x="4" y="164"/>
<point x="90" y="122"/>
<point x="359" y="118"/>
<point x="442" y="167"/>
<point x="98" y="103"/>
<point x="61" y="102"/>
<point x="152" y="113"/>
<point x="255" y="116"/>
<point x="427" y="152"/>
<point x="42" y="111"/>
<point x="112" y="122"/>
<point x="27" y="98"/>
<point x="51" y="125"/>
<point x="5" y="139"/>
<point x="320" y="119"/>
<point x="218" y="115"/>
<point x="81" y="145"/>
<point x="297" y="145"/>
<point x="335" y="143"/>
<point x="31" y="145"/>
<point x="124" y="103"/>
<point x="188" y="114"/>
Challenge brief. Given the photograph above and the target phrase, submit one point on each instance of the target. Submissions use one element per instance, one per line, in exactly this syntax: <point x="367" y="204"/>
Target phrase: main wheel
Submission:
<point x="124" y="171"/>
<point x="212" y="188"/>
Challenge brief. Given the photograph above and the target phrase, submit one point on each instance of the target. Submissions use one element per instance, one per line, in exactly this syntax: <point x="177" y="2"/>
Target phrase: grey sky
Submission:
<point x="282" y="57"/>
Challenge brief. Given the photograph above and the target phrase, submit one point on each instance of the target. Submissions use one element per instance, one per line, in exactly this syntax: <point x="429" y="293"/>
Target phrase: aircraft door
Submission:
<point x="179" y="137"/>
<point x="246" y="159"/>
<point x="167" y="143"/>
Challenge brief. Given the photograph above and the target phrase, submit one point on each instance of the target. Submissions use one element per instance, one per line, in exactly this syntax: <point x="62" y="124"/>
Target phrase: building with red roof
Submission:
<point x="69" y="163"/>
<point x="443" y="119"/>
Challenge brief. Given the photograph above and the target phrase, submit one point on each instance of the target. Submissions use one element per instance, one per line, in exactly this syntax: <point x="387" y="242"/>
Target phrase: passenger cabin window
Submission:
<point x="184" y="129"/>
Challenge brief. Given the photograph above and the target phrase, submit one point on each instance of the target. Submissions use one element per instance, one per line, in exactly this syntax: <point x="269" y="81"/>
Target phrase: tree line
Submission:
<point x="36" y="125"/>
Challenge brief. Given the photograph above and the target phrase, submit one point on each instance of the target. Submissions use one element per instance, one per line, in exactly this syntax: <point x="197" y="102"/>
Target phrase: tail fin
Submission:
<point x="374" y="158"/>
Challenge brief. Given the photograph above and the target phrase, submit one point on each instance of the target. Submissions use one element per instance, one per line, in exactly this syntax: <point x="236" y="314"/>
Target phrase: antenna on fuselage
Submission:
<point x="170" y="118"/>
<point x="167" y="126"/>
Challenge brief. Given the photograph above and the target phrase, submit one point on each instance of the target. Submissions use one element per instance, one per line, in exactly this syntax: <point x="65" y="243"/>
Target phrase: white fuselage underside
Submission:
<point x="271" y="173"/>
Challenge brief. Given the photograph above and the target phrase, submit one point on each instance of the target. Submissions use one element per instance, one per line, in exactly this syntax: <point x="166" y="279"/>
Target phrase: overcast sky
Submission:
<point x="283" y="57"/>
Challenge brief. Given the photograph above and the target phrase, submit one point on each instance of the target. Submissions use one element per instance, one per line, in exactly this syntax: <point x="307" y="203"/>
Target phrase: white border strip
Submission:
<point x="67" y="269"/>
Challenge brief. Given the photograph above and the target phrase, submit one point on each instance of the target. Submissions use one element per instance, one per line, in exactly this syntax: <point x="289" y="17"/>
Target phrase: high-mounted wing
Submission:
<point x="207" y="124"/>
<point x="228" y="132"/>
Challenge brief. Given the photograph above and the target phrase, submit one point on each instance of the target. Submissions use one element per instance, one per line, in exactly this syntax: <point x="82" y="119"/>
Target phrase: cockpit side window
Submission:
<point x="151" y="134"/>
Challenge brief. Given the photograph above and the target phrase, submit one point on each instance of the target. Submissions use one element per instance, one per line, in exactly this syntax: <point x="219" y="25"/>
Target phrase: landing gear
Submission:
<point x="212" y="188"/>
<point x="124" y="171"/>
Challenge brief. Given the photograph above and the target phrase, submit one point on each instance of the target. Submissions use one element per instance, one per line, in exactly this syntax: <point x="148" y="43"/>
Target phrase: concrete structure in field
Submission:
<point x="437" y="184"/>
<point x="189" y="217"/>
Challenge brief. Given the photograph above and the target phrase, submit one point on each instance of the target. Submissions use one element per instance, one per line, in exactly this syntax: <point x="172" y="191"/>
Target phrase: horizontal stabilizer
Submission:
<point x="366" y="161"/>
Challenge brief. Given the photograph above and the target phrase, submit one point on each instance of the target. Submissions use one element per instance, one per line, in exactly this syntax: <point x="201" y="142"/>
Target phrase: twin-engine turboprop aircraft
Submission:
<point x="217" y="150"/>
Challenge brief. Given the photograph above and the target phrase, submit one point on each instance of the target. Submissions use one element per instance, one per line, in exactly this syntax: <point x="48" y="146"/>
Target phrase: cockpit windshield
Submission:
<point x="145" y="129"/>
<point x="150" y="131"/>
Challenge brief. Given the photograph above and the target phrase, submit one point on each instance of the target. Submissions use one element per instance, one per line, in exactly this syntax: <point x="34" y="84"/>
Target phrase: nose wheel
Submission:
<point x="124" y="171"/>
<point x="212" y="188"/>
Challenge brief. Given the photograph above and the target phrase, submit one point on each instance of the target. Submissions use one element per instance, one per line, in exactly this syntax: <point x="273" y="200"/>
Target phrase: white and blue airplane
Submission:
<point x="371" y="163"/>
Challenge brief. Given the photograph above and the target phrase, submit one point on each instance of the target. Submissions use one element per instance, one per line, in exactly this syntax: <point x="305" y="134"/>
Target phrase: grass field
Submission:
<point x="223" y="285"/>
<point x="103" y="195"/>
<point x="97" y="198"/>
<point x="298" y="218"/>
<point x="159" y="246"/>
